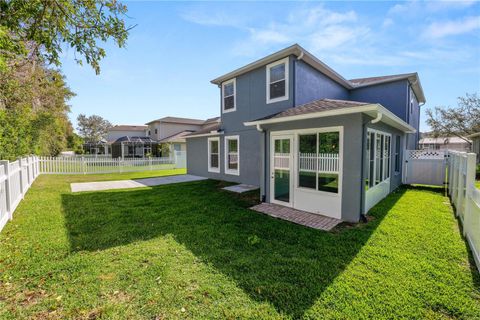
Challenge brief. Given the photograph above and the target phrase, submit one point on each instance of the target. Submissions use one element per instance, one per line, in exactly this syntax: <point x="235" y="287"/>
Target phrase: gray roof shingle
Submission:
<point x="315" y="106"/>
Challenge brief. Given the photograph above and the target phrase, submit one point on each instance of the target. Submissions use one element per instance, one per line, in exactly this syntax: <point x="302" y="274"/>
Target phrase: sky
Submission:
<point x="178" y="47"/>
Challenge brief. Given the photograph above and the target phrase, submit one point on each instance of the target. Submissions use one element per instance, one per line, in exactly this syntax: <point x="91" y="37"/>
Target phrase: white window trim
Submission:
<point x="210" y="168"/>
<point x="227" y="170"/>
<point x="234" y="81"/>
<point x="385" y="134"/>
<point x="276" y="63"/>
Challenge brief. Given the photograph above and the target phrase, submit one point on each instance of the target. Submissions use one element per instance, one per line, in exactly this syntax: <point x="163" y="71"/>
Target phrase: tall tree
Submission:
<point x="461" y="120"/>
<point x="47" y="25"/>
<point x="93" y="129"/>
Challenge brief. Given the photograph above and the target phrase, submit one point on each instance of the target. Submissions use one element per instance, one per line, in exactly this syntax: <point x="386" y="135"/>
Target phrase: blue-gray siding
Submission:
<point x="311" y="84"/>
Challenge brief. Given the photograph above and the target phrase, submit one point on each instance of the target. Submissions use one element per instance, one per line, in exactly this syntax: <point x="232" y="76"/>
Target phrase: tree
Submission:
<point x="33" y="109"/>
<point x="93" y="129"/>
<point x="43" y="27"/>
<point x="459" y="121"/>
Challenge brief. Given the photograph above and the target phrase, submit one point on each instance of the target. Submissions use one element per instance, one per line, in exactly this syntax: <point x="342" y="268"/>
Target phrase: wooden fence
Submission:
<point x="15" y="179"/>
<point x="465" y="197"/>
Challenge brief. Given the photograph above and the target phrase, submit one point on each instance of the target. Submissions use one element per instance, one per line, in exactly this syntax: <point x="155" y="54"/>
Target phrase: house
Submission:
<point x="172" y="130"/>
<point x="444" y="143"/>
<point x="309" y="138"/>
<point x="475" y="146"/>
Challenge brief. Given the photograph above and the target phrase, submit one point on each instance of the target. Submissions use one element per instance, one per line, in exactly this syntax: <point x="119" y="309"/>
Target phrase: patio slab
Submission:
<point x="136" y="183"/>
<point x="311" y="220"/>
<point x="241" y="188"/>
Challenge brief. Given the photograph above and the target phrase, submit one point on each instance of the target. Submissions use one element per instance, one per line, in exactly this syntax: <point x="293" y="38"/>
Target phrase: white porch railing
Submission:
<point x="322" y="162"/>
<point x="15" y="179"/>
<point x="465" y="197"/>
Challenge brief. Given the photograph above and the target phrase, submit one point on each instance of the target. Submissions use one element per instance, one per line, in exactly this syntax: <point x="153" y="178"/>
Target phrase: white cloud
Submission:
<point x="212" y="18"/>
<point x="387" y="22"/>
<point x="438" y="30"/>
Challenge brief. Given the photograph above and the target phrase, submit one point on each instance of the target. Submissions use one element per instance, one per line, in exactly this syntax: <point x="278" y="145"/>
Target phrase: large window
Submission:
<point x="318" y="167"/>
<point x="229" y="96"/>
<point x="378" y="158"/>
<point x="277" y="81"/>
<point x="213" y="154"/>
<point x="232" y="155"/>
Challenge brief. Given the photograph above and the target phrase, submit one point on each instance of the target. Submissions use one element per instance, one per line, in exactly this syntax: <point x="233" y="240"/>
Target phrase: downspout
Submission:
<point x="264" y="164"/>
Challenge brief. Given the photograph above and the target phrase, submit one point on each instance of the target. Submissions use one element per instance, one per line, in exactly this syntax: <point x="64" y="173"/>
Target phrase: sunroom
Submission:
<point x="331" y="157"/>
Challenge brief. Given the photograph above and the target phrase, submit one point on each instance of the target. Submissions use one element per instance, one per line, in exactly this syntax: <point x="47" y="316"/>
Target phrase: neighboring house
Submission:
<point x="310" y="139"/>
<point x="444" y="143"/>
<point x="475" y="147"/>
<point x="172" y="130"/>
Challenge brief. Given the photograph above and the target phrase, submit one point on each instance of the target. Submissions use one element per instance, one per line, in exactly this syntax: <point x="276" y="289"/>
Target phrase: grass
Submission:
<point x="193" y="251"/>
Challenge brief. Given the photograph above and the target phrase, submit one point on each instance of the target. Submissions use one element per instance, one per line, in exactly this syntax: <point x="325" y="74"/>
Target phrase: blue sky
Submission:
<point x="177" y="48"/>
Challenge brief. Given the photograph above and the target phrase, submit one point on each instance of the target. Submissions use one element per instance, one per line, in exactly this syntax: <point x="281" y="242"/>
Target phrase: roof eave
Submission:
<point x="209" y="134"/>
<point x="370" y="109"/>
<point x="296" y="50"/>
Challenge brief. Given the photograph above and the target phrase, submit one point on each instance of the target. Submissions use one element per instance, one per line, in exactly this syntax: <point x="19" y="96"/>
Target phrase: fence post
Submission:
<point x="83" y="165"/>
<point x="150" y="163"/>
<point x="20" y="173"/>
<point x="461" y="183"/>
<point x="8" y="188"/>
<point x="469" y="185"/>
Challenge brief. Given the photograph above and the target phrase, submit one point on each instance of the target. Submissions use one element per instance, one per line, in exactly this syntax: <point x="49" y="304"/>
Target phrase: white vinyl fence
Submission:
<point x="15" y="179"/>
<point x="92" y="165"/>
<point x="465" y="197"/>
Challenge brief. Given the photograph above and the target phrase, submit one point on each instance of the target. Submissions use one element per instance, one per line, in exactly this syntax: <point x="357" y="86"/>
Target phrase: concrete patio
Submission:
<point x="137" y="183"/>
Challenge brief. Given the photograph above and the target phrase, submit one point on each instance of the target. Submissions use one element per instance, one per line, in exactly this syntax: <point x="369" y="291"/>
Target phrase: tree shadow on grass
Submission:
<point x="272" y="260"/>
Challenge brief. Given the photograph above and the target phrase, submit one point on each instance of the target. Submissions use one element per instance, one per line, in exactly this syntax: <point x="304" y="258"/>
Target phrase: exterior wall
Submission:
<point x="167" y="129"/>
<point x="395" y="96"/>
<point x="392" y="95"/>
<point x="251" y="157"/>
<point x="311" y="84"/>
<point x="114" y="135"/>
<point x="413" y="120"/>
<point x="251" y="99"/>
<point x="352" y="150"/>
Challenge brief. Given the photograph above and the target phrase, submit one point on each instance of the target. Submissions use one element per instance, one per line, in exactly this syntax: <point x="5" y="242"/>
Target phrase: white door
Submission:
<point x="281" y="183"/>
<point x="318" y="171"/>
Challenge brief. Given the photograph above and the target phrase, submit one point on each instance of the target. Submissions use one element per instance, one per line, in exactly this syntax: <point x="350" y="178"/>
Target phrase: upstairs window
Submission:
<point x="229" y="96"/>
<point x="213" y="154"/>
<point x="277" y="81"/>
<point x="232" y="155"/>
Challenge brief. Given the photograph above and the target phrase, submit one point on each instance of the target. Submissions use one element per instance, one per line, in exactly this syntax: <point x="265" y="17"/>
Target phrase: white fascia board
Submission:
<point x="370" y="109"/>
<point x="210" y="134"/>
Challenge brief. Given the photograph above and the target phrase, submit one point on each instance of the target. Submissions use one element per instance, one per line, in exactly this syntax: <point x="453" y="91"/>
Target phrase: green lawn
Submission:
<point x="193" y="251"/>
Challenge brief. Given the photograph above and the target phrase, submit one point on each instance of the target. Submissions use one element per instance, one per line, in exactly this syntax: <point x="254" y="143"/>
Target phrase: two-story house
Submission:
<point x="309" y="138"/>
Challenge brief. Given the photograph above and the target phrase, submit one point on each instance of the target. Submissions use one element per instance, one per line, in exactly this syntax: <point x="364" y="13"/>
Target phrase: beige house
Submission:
<point x="444" y="143"/>
<point x="172" y="130"/>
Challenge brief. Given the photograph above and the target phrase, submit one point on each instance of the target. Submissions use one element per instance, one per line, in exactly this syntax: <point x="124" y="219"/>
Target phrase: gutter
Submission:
<point x="263" y="197"/>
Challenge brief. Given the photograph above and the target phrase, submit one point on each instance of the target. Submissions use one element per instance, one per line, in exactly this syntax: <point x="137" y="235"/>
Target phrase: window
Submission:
<point x="277" y="81"/>
<point x="213" y="154"/>
<point x="318" y="167"/>
<point x="378" y="158"/>
<point x="397" y="154"/>
<point x="232" y="155"/>
<point x="148" y="133"/>
<point x="229" y="96"/>
<point x="156" y="131"/>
